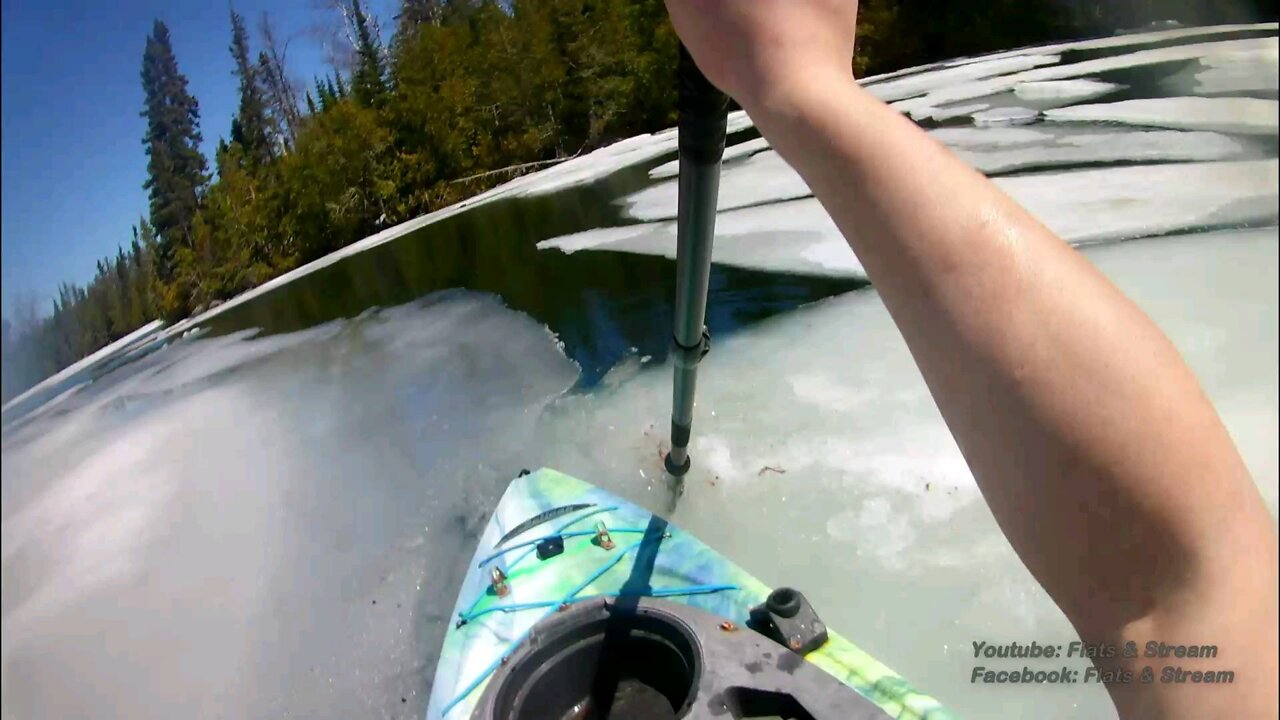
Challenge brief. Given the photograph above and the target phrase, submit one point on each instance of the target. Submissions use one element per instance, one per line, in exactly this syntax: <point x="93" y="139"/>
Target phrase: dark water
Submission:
<point x="602" y="305"/>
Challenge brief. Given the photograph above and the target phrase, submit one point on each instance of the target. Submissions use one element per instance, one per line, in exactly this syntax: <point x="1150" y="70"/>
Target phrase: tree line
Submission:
<point x="459" y="90"/>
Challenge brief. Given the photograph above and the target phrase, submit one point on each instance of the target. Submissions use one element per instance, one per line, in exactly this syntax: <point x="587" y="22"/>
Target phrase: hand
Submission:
<point x="761" y="52"/>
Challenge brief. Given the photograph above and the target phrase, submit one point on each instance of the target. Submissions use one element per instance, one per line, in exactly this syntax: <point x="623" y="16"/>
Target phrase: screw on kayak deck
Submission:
<point x="602" y="536"/>
<point x="728" y="626"/>
<point x="498" y="581"/>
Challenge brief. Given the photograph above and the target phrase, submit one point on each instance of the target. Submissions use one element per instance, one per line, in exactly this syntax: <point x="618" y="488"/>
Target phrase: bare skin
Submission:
<point x="1102" y="459"/>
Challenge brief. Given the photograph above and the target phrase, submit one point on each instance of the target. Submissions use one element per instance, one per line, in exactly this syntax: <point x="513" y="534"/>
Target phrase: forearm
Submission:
<point x="1098" y="453"/>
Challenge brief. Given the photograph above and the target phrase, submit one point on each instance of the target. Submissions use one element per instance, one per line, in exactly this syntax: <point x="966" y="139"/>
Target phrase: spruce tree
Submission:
<point x="368" y="80"/>
<point x="177" y="171"/>
<point x="250" y="127"/>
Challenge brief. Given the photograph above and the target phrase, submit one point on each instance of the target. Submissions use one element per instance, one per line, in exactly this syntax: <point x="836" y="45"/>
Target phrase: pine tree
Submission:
<point x="311" y="104"/>
<point x="250" y="127"/>
<point x="368" y="80"/>
<point x="177" y="171"/>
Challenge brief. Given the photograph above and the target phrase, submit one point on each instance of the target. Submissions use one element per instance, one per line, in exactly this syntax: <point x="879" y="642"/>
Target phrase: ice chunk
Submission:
<point x="731" y="154"/>
<point x="1234" y="115"/>
<point x="1246" y="71"/>
<point x="764" y="177"/>
<point x="981" y="88"/>
<point x="1120" y="41"/>
<point x="1143" y="146"/>
<point x="1003" y="116"/>
<point x="1056" y="93"/>
<point x="794" y="236"/>
<point x="946" y="113"/>
<point x="918" y="84"/>
<point x="1126" y="202"/>
<point x="1084" y="206"/>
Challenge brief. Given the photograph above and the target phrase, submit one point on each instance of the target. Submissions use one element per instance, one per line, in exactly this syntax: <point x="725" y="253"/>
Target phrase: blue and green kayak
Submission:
<point x="556" y="542"/>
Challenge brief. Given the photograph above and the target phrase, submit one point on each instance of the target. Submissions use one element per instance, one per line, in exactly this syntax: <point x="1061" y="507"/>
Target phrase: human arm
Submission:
<point x="1103" y="461"/>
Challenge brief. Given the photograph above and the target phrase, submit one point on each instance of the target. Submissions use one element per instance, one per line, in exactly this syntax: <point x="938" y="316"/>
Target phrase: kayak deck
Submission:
<point x="549" y="505"/>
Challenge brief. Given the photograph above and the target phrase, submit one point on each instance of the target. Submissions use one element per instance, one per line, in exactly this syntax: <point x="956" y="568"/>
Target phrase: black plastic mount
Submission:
<point x="787" y="617"/>
<point x="550" y="547"/>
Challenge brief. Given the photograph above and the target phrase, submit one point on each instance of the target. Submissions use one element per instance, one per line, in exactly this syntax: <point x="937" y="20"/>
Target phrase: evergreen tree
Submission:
<point x="368" y="80"/>
<point x="324" y="94"/>
<point x="311" y="104"/>
<point x="250" y="127"/>
<point x="177" y="171"/>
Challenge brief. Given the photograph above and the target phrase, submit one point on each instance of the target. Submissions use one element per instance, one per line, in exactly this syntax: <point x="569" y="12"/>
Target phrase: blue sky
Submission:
<point x="73" y="162"/>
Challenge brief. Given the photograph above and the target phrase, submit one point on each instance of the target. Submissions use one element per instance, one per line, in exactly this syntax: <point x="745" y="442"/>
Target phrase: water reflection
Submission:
<point x="602" y="305"/>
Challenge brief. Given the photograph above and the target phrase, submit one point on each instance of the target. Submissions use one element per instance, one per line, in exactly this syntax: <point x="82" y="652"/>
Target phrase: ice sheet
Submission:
<point x="1111" y="42"/>
<point x="731" y="154"/>
<point x="295" y="519"/>
<point x="77" y="372"/>
<point x="1247" y="71"/>
<point x="946" y="113"/>
<point x="1085" y="206"/>
<point x="1126" y="202"/>
<point x="869" y="501"/>
<point x="965" y="91"/>
<point x="1111" y="147"/>
<point x="1252" y="116"/>
<point x="1005" y="116"/>
<point x="1121" y="41"/>
<point x="918" y="84"/>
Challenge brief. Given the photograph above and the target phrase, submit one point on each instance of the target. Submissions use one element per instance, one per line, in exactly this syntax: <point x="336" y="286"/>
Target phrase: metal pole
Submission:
<point x="703" y="111"/>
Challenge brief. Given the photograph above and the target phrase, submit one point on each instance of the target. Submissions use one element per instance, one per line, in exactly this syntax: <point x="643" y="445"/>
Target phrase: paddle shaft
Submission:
<point x="703" y="112"/>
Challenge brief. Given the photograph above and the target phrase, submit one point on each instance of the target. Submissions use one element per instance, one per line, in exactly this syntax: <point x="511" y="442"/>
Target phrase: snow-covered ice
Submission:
<point x="1251" y="116"/>
<point x="1082" y="206"/>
